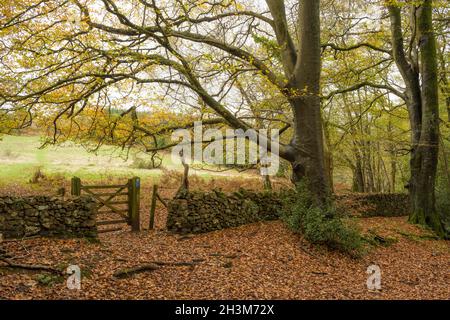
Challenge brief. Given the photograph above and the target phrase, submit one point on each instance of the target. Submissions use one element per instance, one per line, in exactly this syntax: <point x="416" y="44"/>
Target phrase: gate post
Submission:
<point x="134" y="186"/>
<point x="75" y="187"/>
<point x="153" y="207"/>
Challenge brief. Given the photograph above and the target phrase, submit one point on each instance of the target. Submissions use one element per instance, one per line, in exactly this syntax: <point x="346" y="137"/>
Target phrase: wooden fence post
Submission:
<point x="267" y="183"/>
<point x="76" y="187"/>
<point x="153" y="207"/>
<point x="134" y="186"/>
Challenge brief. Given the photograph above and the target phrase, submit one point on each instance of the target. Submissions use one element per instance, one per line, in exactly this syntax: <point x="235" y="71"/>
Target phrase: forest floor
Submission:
<point x="256" y="261"/>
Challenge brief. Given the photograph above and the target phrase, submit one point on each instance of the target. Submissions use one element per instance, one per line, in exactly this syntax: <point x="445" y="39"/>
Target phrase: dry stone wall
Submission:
<point x="47" y="216"/>
<point x="374" y="204"/>
<point x="198" y="212"/>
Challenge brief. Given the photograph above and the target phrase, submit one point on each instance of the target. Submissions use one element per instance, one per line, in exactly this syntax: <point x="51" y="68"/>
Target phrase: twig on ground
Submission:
<point x="38" y="267"/>
<point x="152" y="266"/>
<point x="21" y="239"/>
<point x="315" y="256"/>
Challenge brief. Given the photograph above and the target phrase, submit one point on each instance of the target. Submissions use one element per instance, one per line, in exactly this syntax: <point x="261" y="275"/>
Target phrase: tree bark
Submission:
<point x="358" y="177"/>
<point x="329" y="166"/>
<point x="308" y="135"/>
<point x="423" y="107"/>
<point x="303" y="69"/>
<point x="427" y="151"/>
<point x="392" y="155"/>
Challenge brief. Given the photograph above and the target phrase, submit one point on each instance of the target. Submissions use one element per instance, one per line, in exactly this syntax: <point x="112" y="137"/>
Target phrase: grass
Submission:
<point x="20" y="156"/>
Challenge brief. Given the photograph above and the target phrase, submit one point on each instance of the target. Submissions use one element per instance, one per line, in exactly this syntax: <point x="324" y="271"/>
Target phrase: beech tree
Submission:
<point x="413" y="51"/>
<point x="68" y="54"/>
<point x="418" y="67"/>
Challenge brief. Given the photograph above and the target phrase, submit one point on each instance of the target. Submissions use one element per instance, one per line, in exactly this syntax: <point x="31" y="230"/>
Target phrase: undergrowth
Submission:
<point x="320" y="225"/>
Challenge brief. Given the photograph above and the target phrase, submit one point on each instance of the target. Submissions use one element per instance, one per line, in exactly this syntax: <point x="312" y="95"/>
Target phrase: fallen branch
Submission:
<point x="130" y="271"/>
<point x="179" y="264"/>
<point x="152" y="266"/>
<point x="228" y="256"/>
<point x="21" y="239"/>
<point x="375" y="239"/>
<point x="186" y="237"/>
<point x="37" y="267"/>
<point x="110" y="230"/>
<point x="161" y="200"/>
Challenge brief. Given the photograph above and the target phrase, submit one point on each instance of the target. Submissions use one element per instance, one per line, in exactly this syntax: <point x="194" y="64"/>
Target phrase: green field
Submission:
<point x="20" y="156"/>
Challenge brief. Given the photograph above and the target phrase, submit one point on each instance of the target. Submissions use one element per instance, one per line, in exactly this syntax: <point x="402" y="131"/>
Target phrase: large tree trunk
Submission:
<point x="423" y="107"/>
<point x="309" y="160"/>
<point x="424" y="162"/>
<point x="302" y="68"/>
<point x="309" y="164"/>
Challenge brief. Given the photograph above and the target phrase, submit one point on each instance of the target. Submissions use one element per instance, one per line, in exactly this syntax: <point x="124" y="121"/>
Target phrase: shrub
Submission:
<point x="37" y="176"/>
<point x="49" y="279"/>
<point x="154" y="162"/>
<point x="284" y="170"/>
<point x="320" y="225"/>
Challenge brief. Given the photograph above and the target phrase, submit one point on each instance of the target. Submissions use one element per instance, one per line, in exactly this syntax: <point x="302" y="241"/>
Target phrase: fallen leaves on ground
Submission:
<point x="257" y="261"/>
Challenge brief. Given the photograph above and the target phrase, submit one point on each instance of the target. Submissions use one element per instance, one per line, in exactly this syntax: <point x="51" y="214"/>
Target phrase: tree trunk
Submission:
<point x="423" y="108"/>
<point x="392" y="155"/>
<point x="368" y="172"/>
<point x="445" y="86"/>
<point x="302" y="68"/>
<point x="358" y="176"/>
<point x="309" y="159"/>
<point x="424" y="161"/>
<point x="328" y="159"/>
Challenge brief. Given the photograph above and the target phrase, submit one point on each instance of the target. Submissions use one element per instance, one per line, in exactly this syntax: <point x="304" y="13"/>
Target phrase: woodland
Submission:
<point x="358" y="92"/>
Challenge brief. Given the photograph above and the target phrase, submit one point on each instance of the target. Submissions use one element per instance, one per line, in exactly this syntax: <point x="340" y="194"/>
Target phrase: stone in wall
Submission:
<point x="47" y="216"/>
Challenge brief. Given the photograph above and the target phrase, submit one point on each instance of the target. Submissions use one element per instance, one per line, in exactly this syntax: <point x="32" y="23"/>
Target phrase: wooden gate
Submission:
<point x="120" y="202"/>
